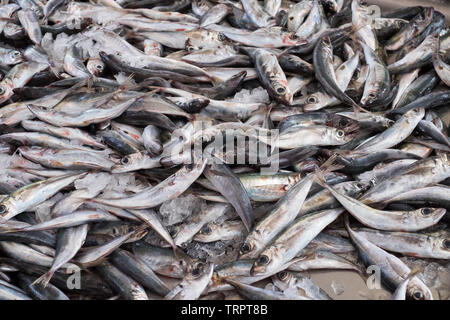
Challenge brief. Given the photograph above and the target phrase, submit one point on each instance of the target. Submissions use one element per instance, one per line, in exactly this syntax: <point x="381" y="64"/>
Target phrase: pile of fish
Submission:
<point x="116" y="181"/>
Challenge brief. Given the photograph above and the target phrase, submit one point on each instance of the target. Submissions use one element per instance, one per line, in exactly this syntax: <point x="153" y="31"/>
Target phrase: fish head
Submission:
<point x="249" y="249"/>
<point x="417" y="290"/>
<point x="444" y="244"/>
<point x="362" y="186"/>
<point x="199" y="270"/>
<point x="338" y="136"/>
<point x="207" y="229"/>
<point x="292" y="39"/>
<point x="281" y="92"/>
<point x="13" y="31"/>
<point x="128" y="163"/>
<point x="416" y="112"/>
<point x="95" y="66"/>
<point x="8" y="209"/>
<point x="268" y="262"/>
<point x="432" y="215"/>
<point x="6" y="89"/>
<point x="314" y="101"/>
<point x="370" y="95"/>
<point x="282" y="279"/>
<point x="13" y="57"/>
<point x="359" y="187"/>
<point x="238" y="78"/>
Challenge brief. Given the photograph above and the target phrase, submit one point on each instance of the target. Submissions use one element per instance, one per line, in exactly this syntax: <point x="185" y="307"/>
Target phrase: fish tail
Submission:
<point x="319" y="177"/>
<point x="45" y="278"/>
<point x="329" y="166"/>
<point x="347" y="223"/>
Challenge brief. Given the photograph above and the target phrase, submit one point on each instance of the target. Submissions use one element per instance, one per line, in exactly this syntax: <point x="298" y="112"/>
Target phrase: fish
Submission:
<point x="409" y="243"/>
<point x="394" y="271"/>
<point x="193" y="284"/>
<point x="389" y="220"/>
<point x="33" y="194"/>
<point x="293" y="239"/>
<point x="206" y="150"/>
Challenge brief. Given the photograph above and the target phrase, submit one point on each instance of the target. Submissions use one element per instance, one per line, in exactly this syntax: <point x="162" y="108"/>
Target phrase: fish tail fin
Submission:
<point x="140" y="231"/>
<point x="44" y="279"/>
<point x="127" y="84"/>
<point x="329" y="166"/>
<point x="177" y="252"/>
<point x="319" y="177"/>
<point x="347" y="223"/>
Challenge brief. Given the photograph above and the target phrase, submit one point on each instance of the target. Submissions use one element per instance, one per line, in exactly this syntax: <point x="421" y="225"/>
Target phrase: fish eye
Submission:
<point x="199" y="267"/>
<point x="173" y="232"/>
<point x="221" y="36"/>
<point x="206" y="230"/>
<point x="190" y="48"/>
<point x="418" y="295"/>
<point x="196" y="272"/>
<point x="312" y="99"/>
<point x="263" y="260"/>
<point x="340" y="133"/>
<point x="372" y="95"/>
<point x="294" y="36"/>
<point x="99" y="67"/>
<point x="3" y="209"/>
<point x="280" y="90"/>
<point x="282" y="275"/>
<point x="115" y="231"/>
<point x="446" y="243"/>
<point x="2" y="90"/>
<point x="125" y="160"/>
<point x="359" y="186"/>
<point x="291" y="18"/>
<point x="245" y="248"/>
<point x="426" y="211"/>
<point x="16" y="53"/>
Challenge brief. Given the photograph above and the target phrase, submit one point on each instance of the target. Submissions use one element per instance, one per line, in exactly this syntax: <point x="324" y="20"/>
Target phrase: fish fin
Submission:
<point x="44" y="279"/>
<point x="347" y="223"/>
<point x="319" y="177"/>
<point x="177" y="252"/>
<point x="128" y="84"/>
<point x="3" y="220"/>
<point x="415" y="271"/>
<point x="4" y="277"/>
<point x="329" y="166"/>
